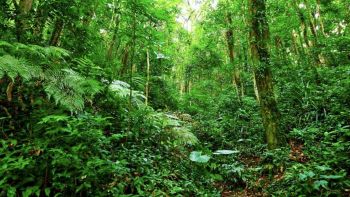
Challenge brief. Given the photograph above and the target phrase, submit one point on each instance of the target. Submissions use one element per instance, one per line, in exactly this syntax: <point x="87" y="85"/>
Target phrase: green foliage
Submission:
<point x="14" y="67"/>
<point x="66" y="86"/>
<point x="162" y="94"/>
<point x="122" y="89"/>
<point x="70" y="89"/>
<point x="65" y="155"/>
<point x="74" y="76"/>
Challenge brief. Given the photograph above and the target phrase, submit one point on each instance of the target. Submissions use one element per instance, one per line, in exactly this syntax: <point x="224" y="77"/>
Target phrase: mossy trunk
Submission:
<point x="22" y="19"/>
<point x="231" y="50"/>
<point x="259" y="36"/>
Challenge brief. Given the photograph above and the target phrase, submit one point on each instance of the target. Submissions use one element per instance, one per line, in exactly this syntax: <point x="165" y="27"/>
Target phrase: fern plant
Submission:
<point x="48" y="65"/>
<point x="122" y="89"/>
<point x="13" y="67"/>
<point x="69" y="88"/>
<point x="175" y="129"/>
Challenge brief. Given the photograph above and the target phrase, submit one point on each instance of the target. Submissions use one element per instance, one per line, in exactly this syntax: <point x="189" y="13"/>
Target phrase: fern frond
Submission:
<point x="19" y="49"/>
<point x="176" y="129"/>
<point x="122" y="89"/>
<point x="70" y="89"/>
<point x="4" y="44"/>
<point x="184" y="136"/>
<point x="56" y="52"/>
<point x="14" y="67"/>
<point x="139" y="82"/>
<point x="84" y="63"/>
<point x="65" y="86"/>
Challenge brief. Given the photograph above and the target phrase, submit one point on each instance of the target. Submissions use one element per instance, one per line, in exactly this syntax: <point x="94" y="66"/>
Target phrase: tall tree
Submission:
<point x="22" y="18"/>
<point x="232" y="54"/>
<point x="259" y="38"/>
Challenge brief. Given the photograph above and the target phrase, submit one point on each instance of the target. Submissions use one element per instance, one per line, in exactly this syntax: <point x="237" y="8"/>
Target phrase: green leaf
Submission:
<point x="58" y="194"/>
<point x="225" y="152"/>
<point x="47" y="191"/>
<point x="304" y="176"/>
<point x="11" y="192"/>
<point x="323" y="168"/>
<point x="318" y="184"/>
<point x="13" y="142"/>
<point x="31" y="190"/>
<point x="198" y="157"/>
<point x="27" y="192"/>
<point x="54" y="118"/>
<point x="332" y="176"/>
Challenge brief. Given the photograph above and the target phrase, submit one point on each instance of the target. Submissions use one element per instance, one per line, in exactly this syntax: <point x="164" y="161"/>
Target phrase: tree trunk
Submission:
<point x="318" y="11"/>
<point x="114" y="40"/>
<point x="294" y="42"/>
<point x="57" y="31"/>
<point x="132" y="59"/>
<point x="259" y="36"/>
<point x="230" y="45"/>
<point x="303" y="27"/>
<point x="308" y="52"/>
<point x="22" y="13"/>
<point x="315" y="17"/>
<point x="125" y="60"/>
<point x="281" y="50"/>
<point x="256" y="91"/>
<point x="148" y="77"/>
<point x="39" y="23"/>
<point x="25" y="6"/>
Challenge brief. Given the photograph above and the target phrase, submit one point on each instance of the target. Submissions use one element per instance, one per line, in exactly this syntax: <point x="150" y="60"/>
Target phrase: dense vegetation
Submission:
<point x="174" y="98"/>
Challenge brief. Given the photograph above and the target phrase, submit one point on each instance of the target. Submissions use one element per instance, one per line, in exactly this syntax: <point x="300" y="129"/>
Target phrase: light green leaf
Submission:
<point x="198" y="157"/>
<point x="11" y="192"/>
<point x="323" y="168"/>
<point x="318" y="184"/>
<point x="332" y="176"/>
<point x="47" y="191"/>
<point x="225" y="152"/>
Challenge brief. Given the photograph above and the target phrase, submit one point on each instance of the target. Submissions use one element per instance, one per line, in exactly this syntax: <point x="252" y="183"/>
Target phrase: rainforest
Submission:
<point x="207" y="98"/>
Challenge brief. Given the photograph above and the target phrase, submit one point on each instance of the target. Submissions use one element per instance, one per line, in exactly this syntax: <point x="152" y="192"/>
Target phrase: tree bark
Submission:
<point x="318" y="10"/>
<point x="114" y="40"/>
<point x="57" y="31"/>
<point x="303" y="27"/>
<point x="25" y="6"/>
<point x="22" y="13"/>
<point x="124" y="60"/>
<point x="259" y="38"/>
<point x="148" y="77"/>
<point x="230" y="45"/>
<point x="294" y="42"/>
<point x="132" y="59"/>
